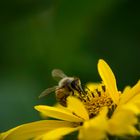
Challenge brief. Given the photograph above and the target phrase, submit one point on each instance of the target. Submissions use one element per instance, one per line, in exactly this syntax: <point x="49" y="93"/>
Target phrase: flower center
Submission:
<point x="95" y="99"/>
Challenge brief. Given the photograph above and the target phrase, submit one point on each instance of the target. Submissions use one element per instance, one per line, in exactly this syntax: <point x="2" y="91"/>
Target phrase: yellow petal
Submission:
<point x="132" y="107"/>
<point x="123" y="123"/>
<point x="57" y="134"/>
<point x="92" y="86"/>
<point x="108" y="79"/>
<point x="58" y="113"/>
<point x="31" y="130"/>
<point x="95" y="129"/>
<point x="60" y="107"/>
<point x="130" y="94"/>
<point x="4" y="135"/>
<point x="125" y="95"/>
<point x="77" y="107"/>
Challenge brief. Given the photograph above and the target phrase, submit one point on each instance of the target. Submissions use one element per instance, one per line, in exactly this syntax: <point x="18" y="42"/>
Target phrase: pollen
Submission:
<point x="95" y="100"/>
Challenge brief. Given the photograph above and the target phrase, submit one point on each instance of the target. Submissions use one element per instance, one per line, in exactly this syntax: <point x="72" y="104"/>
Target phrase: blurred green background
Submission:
<point x="37" y="36"/>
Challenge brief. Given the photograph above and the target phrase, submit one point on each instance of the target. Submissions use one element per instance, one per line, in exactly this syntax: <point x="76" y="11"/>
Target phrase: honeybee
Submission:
<point x="66" y="87"/>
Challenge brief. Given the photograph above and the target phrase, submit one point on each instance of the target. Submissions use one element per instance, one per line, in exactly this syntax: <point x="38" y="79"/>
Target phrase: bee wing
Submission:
<point x="58" y="74"/>
<point x="47" y="91"/>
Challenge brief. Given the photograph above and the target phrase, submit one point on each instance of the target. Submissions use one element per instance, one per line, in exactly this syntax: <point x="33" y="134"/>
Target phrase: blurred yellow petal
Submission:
<point x="132" y="107"/>
<point x="4" y="135"/>
<point x="77" y="107"/>
<point x="57" y="134"/>
<point x="130" y="94"/>
<point x="31" y="130"/>
<point x="108" y="79"/>
<point x="95" y="129"/>
<point x="123" y="123"/>
<point x="125" y="95"/>
<point x="92" y="86"/>
<point x="58" y="113"/>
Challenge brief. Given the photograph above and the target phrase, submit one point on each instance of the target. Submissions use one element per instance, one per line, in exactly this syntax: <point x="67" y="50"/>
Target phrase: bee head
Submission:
<point x="76" y="84"/>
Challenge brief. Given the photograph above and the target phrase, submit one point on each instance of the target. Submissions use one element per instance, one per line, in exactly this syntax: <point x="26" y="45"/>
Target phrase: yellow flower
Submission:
<point x="124" y="118"/>
<point x="50" y="129"/>
<point x="103" y="111"/>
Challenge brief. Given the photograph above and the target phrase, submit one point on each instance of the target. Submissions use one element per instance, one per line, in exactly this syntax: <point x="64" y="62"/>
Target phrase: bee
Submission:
<point x="66" y="87"/>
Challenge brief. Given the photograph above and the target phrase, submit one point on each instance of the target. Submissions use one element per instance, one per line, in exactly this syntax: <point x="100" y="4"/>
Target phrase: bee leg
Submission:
<point x="72" y="92"/>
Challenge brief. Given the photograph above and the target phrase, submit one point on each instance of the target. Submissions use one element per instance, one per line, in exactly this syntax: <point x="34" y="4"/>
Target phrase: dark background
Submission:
<point x="37" y="36"/>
